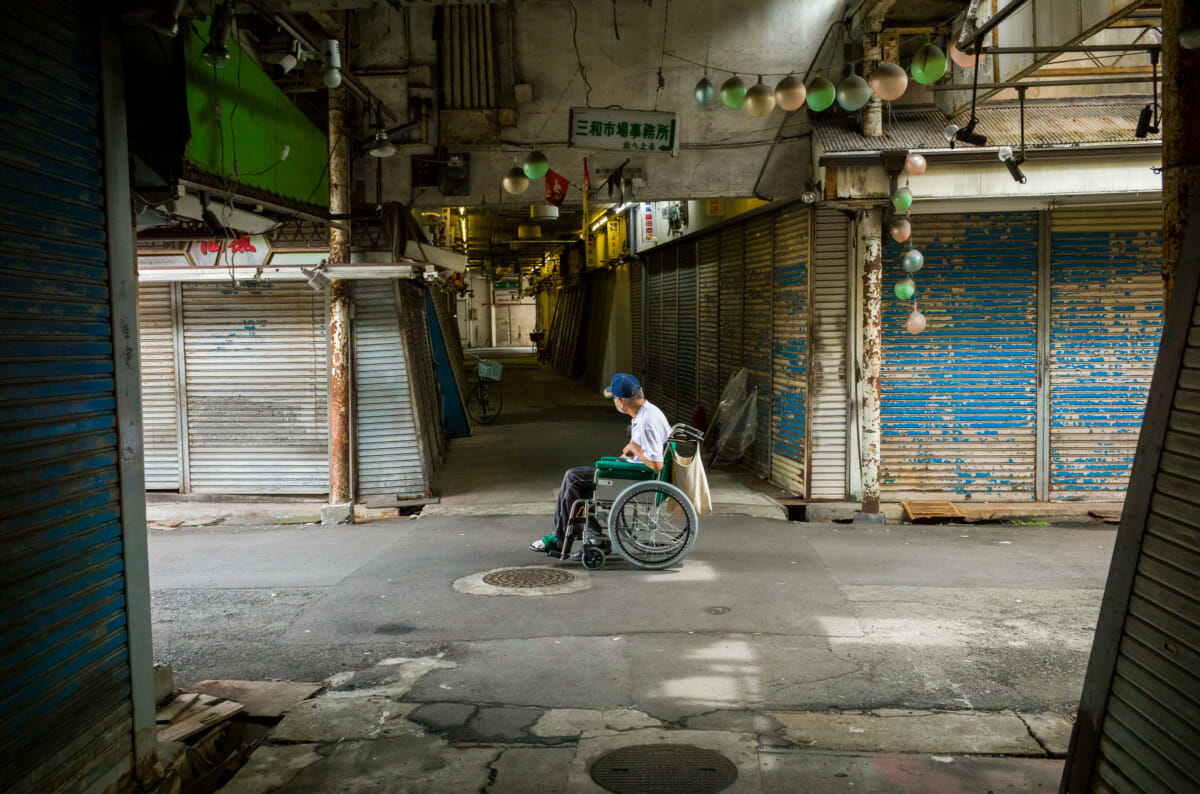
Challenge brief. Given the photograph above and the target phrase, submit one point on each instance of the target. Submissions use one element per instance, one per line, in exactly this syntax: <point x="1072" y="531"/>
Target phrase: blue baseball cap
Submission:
<point x="623" y="385"/>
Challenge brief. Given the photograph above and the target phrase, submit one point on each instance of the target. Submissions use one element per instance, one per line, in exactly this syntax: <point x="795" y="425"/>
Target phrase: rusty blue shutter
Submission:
<point x="756" y="343"/>
<point x="959" y="400"/>
<point x="1106" y="319"/>
<point x="66" y="703"/>
<point x="789" y="453"/>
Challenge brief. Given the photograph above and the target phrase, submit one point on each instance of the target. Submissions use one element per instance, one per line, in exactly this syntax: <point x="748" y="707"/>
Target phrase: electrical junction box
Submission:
<point x="455" y="176"/>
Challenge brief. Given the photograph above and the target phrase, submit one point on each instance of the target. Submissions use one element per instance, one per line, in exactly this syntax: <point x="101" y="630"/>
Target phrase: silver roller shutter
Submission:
<point x="829" y="401"/>
<point x="388" y="451"/>
<point x="757" y="338"/>
<point x="709" y="311"/>
<point x="257" y="366"/>
<point x="685" y="396"/>
<point x="160" y="393"/>
<point x="789" y="419"/>
<point x="732" y="284"/>
<point x="666" y="337"/>
<point x="636" y="297"/>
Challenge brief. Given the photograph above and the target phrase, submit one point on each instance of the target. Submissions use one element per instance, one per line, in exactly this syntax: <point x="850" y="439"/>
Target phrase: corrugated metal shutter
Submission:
<point x="1106" y="320"/>
<point x="257" y="367"/>
<point x="388" y="451"/>
<point x="418" y="352"/>
<point x="709" y="345"/>
<point x="666" y="337"/>
<point x="756" y="341"/>
<point x="635" y="306"/>
<point x="160" y="393"/>
<point x="733" y="242"/>
<point x="655" y="389"/>
<point x="1139" y="720"/>
<point x="830" y="399"/>
<point x="790" y="367"/>
<point x="64" y="650"/>
<point x="959" y="400"/>
<point x="685" y="382"/>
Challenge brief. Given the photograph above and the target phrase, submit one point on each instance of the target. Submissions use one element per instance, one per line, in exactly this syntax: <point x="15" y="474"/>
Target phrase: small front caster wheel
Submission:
<point x="593" y="558"/>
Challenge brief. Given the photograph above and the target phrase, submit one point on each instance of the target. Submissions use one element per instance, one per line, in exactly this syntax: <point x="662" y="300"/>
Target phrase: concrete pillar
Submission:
<point x="339" y="315"/>
<point x="1181" y="147"/>
<point x="872" y="55"/>
<point x="870" y="227"/>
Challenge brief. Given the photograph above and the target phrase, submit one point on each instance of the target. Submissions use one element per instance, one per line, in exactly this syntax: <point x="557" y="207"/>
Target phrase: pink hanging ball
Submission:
<point x="914" y="164"/>
<point x="916" y="322"/>
<point x="900" y="229"/>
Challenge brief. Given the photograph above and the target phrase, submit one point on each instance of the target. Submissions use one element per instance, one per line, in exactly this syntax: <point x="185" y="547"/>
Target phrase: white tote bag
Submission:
<point x="688" y="475"/>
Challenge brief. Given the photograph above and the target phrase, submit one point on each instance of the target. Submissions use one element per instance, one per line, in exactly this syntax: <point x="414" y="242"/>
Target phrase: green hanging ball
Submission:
<point x="821" y="94"/>
<point x="733" y="92"/>
<point x="913" y="260"/>
<point x="853" y="93"/>
<point x="928" y="65"/>
<point x="536" y="165"/>
<point x="705" y="92"/>
<point x="902" y="199"/>
<point x="906" y="288"/>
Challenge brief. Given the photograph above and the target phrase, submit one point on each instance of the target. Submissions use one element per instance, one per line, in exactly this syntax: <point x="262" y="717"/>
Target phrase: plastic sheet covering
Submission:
<point x="737" y="418"/>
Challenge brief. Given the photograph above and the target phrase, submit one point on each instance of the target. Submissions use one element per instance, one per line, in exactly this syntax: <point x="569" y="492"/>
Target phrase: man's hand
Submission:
<point x="635" y="451"/>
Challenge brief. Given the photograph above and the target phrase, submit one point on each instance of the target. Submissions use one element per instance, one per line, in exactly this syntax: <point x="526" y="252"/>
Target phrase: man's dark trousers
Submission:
<point x="577" y="483"/>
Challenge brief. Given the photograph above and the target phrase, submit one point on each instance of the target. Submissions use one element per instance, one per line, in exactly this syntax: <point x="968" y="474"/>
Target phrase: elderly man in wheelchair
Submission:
<point x="627" y="503"/>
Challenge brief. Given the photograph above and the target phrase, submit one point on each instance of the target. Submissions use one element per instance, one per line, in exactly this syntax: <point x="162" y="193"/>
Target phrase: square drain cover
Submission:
<point x="663" y="769"/>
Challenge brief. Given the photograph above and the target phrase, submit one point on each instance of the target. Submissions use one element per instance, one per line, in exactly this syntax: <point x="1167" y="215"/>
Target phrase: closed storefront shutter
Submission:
<point x="257" y="368"/>
<point x="1106" y="320"/>
<point x="635" y="305"/>
<point x="666" y="337"/>
<point x="709" y="311"/>
<point x="655" y="389"/>
<point x="160" y="394"/>
<point x="959" y="400"/>
<point x="790" y="369"/>
<point x="418" y="352"/>
<point x="388" y="450"/>
<point x="66" y="705"/>
<point x="732" y="283"/>
<point x="758" y="332"/>
<point x="685" y="396"/>
<point x="830" y="399"/>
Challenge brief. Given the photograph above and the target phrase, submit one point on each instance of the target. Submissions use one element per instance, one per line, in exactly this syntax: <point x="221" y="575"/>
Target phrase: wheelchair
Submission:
<point x="638" y="512"/>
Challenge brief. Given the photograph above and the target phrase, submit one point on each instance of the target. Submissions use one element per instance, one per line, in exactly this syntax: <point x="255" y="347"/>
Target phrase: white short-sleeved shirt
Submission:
<point x="649" y="431"/>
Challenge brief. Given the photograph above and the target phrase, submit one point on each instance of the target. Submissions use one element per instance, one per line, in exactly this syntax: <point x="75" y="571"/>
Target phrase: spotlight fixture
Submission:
<point x="216" y="52"/>
<point x="166" y="17"/>
<point x="1012" y="163"/>
<point x="968" y="134"/>
<point x="382" y="145"/>
<point x="333" y="63"/>
<point x="317" y="278"/>
<point x="812" y="192"/>
<point x="1148" y="118"/>
<point x="949" y="133"/>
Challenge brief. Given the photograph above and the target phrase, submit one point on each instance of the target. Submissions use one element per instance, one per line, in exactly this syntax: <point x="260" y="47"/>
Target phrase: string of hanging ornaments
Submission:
<point x="888" y="82"/>
<point x="900" y="229"/>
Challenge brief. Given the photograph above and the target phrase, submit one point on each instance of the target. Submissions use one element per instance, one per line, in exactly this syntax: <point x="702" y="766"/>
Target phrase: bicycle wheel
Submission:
<point x="652" y="524"/>
<point x="484" y="402"/>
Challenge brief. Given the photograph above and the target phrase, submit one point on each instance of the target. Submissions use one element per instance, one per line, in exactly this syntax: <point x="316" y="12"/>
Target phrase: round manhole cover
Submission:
<point x="664" y="769"/>
<point x="529" y="577"/>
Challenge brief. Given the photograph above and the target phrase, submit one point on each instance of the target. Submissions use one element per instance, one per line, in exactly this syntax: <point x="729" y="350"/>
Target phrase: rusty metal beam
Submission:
<point x="339" y="303"/>
<point x="870" y="229"/>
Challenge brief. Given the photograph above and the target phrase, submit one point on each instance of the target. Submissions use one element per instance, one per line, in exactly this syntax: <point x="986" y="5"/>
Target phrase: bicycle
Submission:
<point x="486" y="399"/>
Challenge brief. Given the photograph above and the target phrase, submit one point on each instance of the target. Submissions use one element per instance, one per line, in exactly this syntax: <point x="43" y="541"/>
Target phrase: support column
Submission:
<point x="339" y="314"/>
<point x="872" y="55"/>
<point x="1181" y="147"/>
<point x="870" y="229"/>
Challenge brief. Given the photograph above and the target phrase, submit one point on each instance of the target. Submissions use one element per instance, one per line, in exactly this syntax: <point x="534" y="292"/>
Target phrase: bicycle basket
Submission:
<point x="490" y="370"/>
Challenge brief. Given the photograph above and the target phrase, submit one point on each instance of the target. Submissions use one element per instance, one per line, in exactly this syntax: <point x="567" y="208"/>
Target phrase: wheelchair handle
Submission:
<point x="685" y="432"/>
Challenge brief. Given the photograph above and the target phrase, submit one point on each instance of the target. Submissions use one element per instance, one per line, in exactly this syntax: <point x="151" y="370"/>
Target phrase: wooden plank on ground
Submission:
<point x="176" y="707"/>
<point x="1107" y="516"/>
<point x="199" y="706"/>
<point x="261" y="698"/>
<point x="212" y="716"/>
<point x="931" y="511"/>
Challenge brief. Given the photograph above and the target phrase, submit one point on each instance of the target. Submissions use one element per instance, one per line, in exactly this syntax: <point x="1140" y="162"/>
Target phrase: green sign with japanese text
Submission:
<point x="624" y="130"/>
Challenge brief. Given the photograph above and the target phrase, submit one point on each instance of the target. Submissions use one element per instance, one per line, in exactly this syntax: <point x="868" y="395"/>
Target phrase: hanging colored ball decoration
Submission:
<point x="536" y="165"/>
<point x="515" y="180"/>
<point x="853" y="92"/>
<point x="914" y="164"/>
<point x="760" y="100"/>
<point x="902" y="199"/>
<point x="821" y="94"/>
<point x="929" y="64"/>
<point x="913" y="260"/>
<point x="900" y="230"/>
<point x="916" y="321"/>
<point x="889" y="82"/>
<point x="733" y="92"/>
<point x="906" y="288"/>
<point x="964" y="59"/>
<point x="790" y="93"/>
<point x="705" y="92"/>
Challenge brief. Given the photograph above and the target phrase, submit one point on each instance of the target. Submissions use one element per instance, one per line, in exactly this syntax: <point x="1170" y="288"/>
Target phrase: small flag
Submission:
<point x="556" y="188"/>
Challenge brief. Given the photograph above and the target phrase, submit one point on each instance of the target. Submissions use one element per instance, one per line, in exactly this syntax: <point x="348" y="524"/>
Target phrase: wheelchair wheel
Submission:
<point x="652" y="524"/>
<point x="593" y="558"/>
